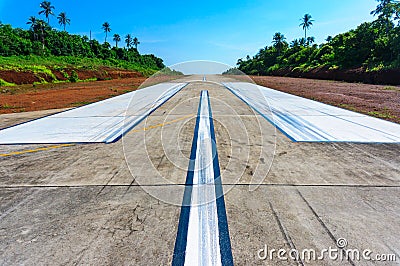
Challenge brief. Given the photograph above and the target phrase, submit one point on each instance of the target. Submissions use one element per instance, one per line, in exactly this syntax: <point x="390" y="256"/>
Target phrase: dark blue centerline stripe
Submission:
<point x="181" y="238"/>
<point x="224" y="239"/>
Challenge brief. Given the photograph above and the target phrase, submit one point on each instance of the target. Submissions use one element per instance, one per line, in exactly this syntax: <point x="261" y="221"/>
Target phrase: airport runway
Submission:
<point x="120" y="203"/>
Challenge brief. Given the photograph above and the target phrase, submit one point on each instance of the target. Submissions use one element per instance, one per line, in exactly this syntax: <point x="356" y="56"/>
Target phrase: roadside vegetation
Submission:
<point x="372" y="46"/>
<point x="42" y="48"/>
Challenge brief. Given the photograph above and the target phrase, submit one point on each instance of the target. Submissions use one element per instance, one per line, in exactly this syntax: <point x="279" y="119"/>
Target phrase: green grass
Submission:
<point x="5" y="83"/>
<point x="38" y="69"/>
<point x="76" y="104"/>
<point x="88" y="80"/>
<point x="7" y="106"/>
<point x="348" y="107"/>
<point x="42" y="81"/>
<point x="59" y="81"/>
<point x="391" y="88"/>
<point x="384" y="115"/>
<point x="38" y="64"/>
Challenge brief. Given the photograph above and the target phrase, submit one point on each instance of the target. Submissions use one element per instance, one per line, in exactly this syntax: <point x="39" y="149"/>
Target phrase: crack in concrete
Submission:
<point x="324" y="225"/>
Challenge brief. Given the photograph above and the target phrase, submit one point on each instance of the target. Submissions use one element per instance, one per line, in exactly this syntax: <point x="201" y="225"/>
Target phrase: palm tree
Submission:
<point x="278" y="41"/>
<point x="136" y="42"/>
<point x="47" y="10"/>
<point x="329" y="38"/>
<point x="303" y="42"/>
<point x="41" y="25"/>
<point x="397" y="14"/>
<point x="106" y="28"/>
<point x="382" y="7"/>
<point x="310" y="40"/>
<point x="306" y="23"/>
<point x="294" y="43"/>
<point x="32" y="21"/>
<point x="63" y="20"/>
<point x="128" y="40"/>
<point x="116" y="39"/>
<point x="385" y="11"/>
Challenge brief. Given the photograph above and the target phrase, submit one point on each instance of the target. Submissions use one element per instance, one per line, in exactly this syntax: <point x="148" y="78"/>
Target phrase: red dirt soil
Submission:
<point x="54" y="96"/>
<point x="103" y="73"/>
<point x="384" y="76"/>
<point x="375" y="100"/>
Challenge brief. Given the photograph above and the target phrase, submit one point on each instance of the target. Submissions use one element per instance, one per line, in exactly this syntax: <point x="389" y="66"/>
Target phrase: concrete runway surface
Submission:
<point x="105" y="121"/>
<point x="120" y="203"/>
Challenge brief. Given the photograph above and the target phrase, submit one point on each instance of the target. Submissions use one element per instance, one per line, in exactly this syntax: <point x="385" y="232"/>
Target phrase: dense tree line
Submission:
<point x="43" y="40"/>
<point x="372" y="46"/>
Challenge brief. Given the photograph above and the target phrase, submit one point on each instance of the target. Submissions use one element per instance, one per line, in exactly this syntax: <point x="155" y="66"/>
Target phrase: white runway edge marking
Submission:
<point x="101" y="122"/>
<point x="203" y="236"/>
<point x="304" y="120"/>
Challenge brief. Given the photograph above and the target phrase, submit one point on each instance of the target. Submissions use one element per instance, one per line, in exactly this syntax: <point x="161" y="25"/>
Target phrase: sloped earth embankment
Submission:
<point x="385" y="76"/>
<point x="19" y="77"/>
<point x="28" y="97"/>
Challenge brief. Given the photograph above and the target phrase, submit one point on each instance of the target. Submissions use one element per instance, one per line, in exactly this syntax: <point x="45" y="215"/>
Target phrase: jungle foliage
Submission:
<point x="41" y="40"/>
<point x="371" y="46"/>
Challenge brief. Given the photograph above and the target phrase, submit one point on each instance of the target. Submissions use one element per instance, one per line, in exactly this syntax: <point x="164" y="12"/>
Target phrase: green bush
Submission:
<point x="5" y="83"/>
<point x="32" y="47"/>
<point x="372" y="45"/>
<point x="73" y="77"/>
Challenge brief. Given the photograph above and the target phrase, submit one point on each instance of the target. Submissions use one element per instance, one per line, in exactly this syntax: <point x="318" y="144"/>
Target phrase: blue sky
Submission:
<point x="180" y="31"/>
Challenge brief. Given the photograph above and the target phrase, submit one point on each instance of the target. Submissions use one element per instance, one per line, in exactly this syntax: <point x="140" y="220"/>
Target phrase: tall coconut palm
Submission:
<point x="386" y="10"/>
<point x="278" y="41"/>
<point x="116" y="39"/>
<point x="306" y="23"/>
<point x="41" y="26"/>
<point x="63" y="20"/>
<point x="32" y="21"/>
<point x="47" y="10"/>
<point x="382" y="7"/>
<point x="128" y="40"/>
<point x="136" y="42"/>
<point x="106" y="28"/>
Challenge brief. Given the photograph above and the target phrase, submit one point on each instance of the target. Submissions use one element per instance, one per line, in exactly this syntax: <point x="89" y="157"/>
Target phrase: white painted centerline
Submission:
<point x="105" y="121"/>
<point x="203" y="235"/>
<point x="304" y="120"/>
<point x="202" y="241"/>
